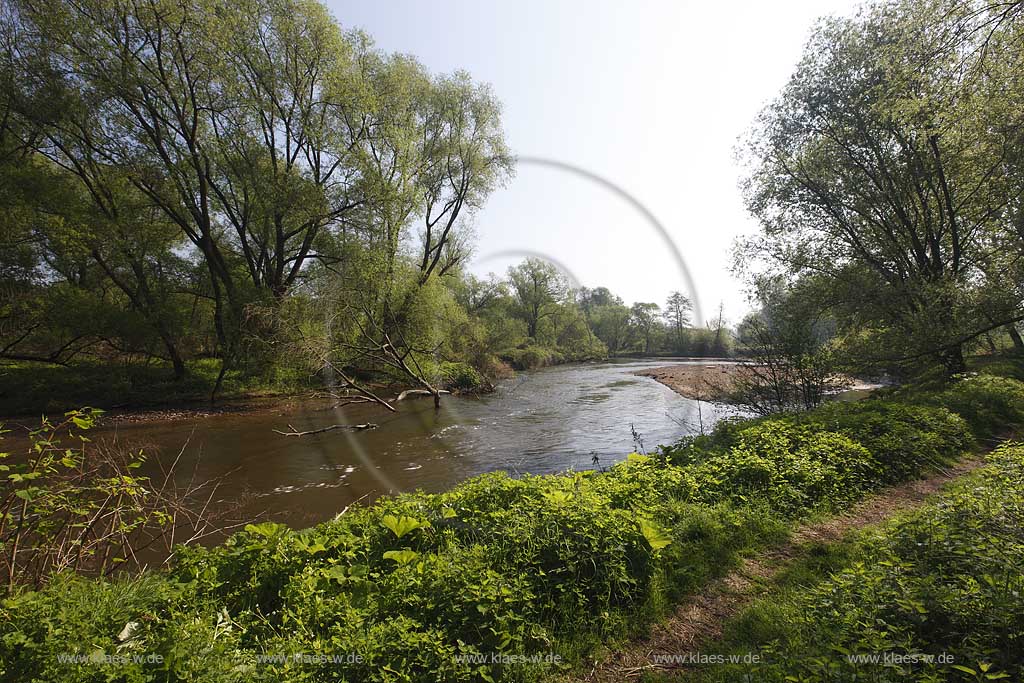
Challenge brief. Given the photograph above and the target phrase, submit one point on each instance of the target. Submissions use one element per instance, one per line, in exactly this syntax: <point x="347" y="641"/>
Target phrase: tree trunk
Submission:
<point x="953" y="361"/>
<point x="225" y="359"/>
<point x="1018" y="343"/>
<point x="991" y="344"/>
<point x="176" y="360"/>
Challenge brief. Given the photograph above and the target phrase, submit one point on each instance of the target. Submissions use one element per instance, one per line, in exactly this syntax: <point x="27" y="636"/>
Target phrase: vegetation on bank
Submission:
<point x="271" y="195"/>
<point x="939" y="591"/>
<point x="419" y="586"/>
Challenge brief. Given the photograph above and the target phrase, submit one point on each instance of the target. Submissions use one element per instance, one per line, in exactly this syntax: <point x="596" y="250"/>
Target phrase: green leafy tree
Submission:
<point x="539" y="288"/>
<point x="644" y="320"/>
<point x="677" y="314"/>
<point x="878" y="170"/>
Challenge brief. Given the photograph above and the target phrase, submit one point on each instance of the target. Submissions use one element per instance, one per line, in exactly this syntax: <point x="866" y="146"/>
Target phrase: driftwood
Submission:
<point x="355" y="428"/>
<point x="418" y="392"/>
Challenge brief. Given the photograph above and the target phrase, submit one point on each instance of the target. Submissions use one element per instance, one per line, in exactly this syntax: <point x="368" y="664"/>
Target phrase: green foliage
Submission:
<point x="991" y="405"/>
<point x="530" y="357"/>
<point x="943" y="580"/>
<point x="419" y="586"/>
<point x="826" y="456"/>
<point x="882" y="145"/>
<point x="461" y="377"/>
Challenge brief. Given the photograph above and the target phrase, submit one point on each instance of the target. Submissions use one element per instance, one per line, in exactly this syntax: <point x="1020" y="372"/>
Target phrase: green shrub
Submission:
<point x="796" y="470"/>
<point x="461" y="377"/>
<point x="824" y="457"/>
<point x="945" y="579"/>
<point x="991" y="405"/>
<point x="903" y="439"/>
<point x="101" y="620"/>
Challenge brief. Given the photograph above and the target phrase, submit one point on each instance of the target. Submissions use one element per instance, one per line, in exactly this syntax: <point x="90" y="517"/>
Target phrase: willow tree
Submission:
<point x="875" y="171"/>
<point x="234" y="119"/>
<point x="425" y="151"/>
<point x="433" y="153"/>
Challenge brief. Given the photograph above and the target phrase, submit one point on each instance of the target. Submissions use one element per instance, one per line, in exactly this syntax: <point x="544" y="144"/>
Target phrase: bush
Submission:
<point x="903" y="439"/>
<point x="796" y="470"/>
<point x="461" y="377"/>
<point x="991" y="405"/>
<point x="802" y="460"/>
<point x="943" y="580"/>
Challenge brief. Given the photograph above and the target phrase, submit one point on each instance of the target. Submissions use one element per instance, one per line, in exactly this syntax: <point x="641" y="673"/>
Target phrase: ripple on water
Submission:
<point x="591" y="399"/>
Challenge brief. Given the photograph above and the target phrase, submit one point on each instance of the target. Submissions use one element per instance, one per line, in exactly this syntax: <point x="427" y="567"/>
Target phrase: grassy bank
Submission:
<point x="463" y="585"/>
<point x="938" y="591"/>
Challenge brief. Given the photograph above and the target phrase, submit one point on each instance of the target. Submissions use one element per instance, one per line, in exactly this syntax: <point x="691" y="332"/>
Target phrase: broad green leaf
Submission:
<point x="402" y="525"/>
<point x="655" y="535"/>
<point x="402" y="557"/>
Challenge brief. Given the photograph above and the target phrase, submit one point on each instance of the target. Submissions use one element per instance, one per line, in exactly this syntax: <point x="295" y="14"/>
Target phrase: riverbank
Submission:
<point x="698" y="381"/>
<point x="501" y="578"/>
<point x="150" y="394"/>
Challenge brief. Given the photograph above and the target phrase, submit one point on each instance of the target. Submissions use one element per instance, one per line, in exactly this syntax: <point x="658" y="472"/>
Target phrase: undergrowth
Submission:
<point x="474" y="583"/>
<point x="936" y="594"/>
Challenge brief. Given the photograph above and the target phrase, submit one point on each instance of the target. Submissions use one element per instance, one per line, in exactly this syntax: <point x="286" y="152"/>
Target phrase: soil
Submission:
<point x="705" y="382"/>
<point x="699" y="621"/>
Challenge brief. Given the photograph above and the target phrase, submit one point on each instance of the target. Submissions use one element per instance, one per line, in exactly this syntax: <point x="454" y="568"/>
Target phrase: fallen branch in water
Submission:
<point x="418" y="392"/>
<point x="355" y="428"/>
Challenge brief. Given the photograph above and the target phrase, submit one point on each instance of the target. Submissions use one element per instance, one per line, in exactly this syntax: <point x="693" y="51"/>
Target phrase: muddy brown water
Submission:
<point x="542" y="421"/>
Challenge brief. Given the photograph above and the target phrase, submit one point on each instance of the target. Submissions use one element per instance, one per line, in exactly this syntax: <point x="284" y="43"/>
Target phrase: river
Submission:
<point x="542" y="421"/>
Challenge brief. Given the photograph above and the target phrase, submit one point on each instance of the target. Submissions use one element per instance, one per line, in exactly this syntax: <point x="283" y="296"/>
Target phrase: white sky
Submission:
<point x="649" y="94"/>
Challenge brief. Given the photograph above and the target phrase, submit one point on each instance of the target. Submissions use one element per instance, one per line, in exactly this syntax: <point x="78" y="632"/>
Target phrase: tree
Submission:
<point x="677" y="313"/>
<point x="878" y="170"/>
<point x="644" y="317"/>
<point x="277" y="146"/>
<point x="719" y="345"/>
<point x="788" y="359"/>
<point x="227" y="118"/>
<point x="538" y="287"/>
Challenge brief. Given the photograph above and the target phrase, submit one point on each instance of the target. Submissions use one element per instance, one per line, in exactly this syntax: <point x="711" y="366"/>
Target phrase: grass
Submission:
<point x="940" y="586"/>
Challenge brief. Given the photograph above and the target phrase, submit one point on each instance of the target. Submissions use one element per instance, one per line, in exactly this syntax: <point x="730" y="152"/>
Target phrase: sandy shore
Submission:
<point x="706" y="382"/>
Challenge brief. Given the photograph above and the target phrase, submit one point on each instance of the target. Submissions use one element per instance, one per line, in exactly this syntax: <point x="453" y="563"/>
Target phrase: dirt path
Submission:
<point x="699" y="621"/>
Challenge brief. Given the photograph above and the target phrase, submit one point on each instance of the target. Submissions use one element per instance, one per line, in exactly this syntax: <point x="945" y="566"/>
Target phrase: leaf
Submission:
<point x="402" y="557"/>
<point x="558" y="497"/>
<point x="24" y="494"/>
<point x="655" y="535"/>
<point x="336" y="573"/>
<point x="266" y="529"/>
<point x="400" y="526"/>
<point x="966" y="670"/>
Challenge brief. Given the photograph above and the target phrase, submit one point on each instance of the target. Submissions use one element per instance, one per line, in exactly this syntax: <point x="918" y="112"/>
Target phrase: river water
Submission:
<point x="542" y="421"/>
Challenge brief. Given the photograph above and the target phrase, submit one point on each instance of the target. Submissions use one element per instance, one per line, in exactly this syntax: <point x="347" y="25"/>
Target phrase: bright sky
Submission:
<point x="650" y="95"/>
